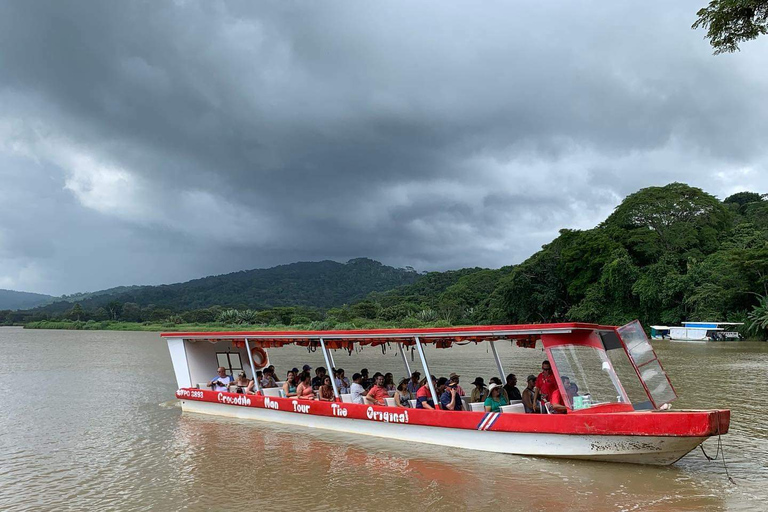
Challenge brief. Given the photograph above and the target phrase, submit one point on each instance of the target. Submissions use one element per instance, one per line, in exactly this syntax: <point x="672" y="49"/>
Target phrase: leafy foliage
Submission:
<point x="730" y="22"/>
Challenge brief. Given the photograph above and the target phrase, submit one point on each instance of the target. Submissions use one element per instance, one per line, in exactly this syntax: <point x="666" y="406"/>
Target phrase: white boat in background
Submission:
<point x="698" y="332"/>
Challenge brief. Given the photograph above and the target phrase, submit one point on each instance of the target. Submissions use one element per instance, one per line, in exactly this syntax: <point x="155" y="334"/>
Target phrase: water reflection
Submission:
<point x="309" y="468"/>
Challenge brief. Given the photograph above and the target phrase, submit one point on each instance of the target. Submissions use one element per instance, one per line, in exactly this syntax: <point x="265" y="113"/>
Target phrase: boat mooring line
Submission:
<point x="720" y="451"/>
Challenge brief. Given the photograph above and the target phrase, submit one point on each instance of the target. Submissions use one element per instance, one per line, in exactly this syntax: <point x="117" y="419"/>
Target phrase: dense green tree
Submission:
<point x="730" y="22"/>
<point x="675" y="219"/>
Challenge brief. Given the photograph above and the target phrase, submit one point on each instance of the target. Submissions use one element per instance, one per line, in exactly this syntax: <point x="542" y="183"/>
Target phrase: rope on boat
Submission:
<point x="720" y="451"/>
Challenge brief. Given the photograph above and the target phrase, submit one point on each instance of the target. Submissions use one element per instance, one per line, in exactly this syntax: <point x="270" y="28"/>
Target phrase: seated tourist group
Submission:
<point x="540" y="395"/>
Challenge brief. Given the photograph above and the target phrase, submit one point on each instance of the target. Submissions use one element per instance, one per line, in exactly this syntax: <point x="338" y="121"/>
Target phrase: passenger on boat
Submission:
<point x="389" y="382"/>
<point x="241" y="382"/>
<point x="556" y="405"/>
<point x="450" y="399"/>
<point x="480" y="393"/>
<point x="402" y="395"/>
<point x="546" y="380"/>
<point x="459" y="389"/>
<point x="567" y="387"/>
<point x="251" y="389"/>
<point x="317" y="380"/>
<point x="424" y="396"/>
<point x="304" y="389"/>
<point x="289" y="386"/>
<point x="497" y="381"/>
<point x="268" y="379"/>
<point x="495" y="399"/>
<point x="378" y="392"/>
<point x="221" y="381"/>
<point x="413" y="383"/>
<point x="325" y="393"/>
<point x="357" y="390"/>
<point x="342" y="383"/>
<point x="511" y="388"/>
<point x="529" y="396"/>
<point x="366" y="382"/>
<point x="306" y="368"/>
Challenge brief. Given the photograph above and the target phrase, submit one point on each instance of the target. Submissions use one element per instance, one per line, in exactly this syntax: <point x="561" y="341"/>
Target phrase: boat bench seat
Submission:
<point x="275" y="392"/>
<point x="346" y="397"/>
<point x="514" y="409"/>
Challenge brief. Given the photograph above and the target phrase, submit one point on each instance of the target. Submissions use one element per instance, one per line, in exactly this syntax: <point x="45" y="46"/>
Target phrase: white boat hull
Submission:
<point x="662" y="450"/>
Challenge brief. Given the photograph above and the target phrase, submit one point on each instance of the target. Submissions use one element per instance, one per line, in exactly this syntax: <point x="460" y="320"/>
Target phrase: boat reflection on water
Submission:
<point x="226" y="461"/>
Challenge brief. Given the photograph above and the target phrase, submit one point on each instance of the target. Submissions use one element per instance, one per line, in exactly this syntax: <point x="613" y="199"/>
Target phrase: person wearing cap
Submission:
<point x="413" y="384"/>
<point x="455" y="377"/>
<point x="319" y="377"/>
<point x="511" y="388"/>
<point x="495" y="400"/>
<point x="450" y="400"/>
<point x="529" y="396"/>
<point x="480" y="393"/>
<point x="424" y="396"/>
<point x="496" y="380"/>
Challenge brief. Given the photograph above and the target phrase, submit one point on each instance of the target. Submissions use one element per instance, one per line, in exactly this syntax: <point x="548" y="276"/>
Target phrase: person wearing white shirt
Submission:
<point x="222" y="381"/>
<point x="357" y="390"/>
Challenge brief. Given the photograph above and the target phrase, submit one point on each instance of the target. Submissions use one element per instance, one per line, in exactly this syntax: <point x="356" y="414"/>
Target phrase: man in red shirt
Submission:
<point x="556" y="405"/>
<point x="377" y="393"/>
<point x="546" y="380"/>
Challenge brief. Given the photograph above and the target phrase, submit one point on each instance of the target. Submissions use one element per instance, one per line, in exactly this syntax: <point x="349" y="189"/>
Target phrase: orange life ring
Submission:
<point x="260" y="359"/>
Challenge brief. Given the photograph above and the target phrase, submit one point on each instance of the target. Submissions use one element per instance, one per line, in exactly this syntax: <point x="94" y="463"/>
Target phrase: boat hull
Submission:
<point x="627" y="448"/>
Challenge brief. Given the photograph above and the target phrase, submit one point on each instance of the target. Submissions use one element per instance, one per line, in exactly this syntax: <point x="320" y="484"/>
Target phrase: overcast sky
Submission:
<point x="151" y="142"/>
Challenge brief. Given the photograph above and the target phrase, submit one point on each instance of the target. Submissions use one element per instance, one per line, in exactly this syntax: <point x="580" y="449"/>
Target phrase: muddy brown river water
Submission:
<point x="88" y="421"/>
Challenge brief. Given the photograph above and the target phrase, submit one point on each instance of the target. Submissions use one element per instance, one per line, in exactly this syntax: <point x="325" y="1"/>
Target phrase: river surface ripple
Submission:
<point x="89" y="422"/>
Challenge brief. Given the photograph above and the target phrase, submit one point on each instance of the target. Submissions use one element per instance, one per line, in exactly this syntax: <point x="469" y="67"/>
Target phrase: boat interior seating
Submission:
<point x="477" y="406"/>
<point x="346" y="397"/>
<point x="413" y="403"/>
<point x="390" y="402"/>
<point x="276" y="392"/>
<point x="515" y="408"/>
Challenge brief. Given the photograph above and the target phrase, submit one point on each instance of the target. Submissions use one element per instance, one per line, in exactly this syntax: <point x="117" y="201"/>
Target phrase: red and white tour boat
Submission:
<point x="621" y="413"/>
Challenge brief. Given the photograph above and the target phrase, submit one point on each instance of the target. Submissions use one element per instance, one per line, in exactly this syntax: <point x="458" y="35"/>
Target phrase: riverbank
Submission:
<point x="108" y="325"/>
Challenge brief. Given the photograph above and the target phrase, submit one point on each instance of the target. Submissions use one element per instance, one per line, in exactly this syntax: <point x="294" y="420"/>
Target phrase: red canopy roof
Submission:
<point x="440" y="335"/>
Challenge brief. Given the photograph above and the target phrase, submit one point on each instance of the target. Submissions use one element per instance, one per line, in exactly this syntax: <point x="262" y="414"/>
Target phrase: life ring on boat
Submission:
<point x="259" y="355"/>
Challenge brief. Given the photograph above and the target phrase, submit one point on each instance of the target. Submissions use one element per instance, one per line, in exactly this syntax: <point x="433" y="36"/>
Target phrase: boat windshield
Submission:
<point x="592" y="373"/>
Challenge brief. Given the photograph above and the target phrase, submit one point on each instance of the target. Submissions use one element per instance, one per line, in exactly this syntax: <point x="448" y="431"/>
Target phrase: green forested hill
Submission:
<point x="320" y="284"/>
<point x="10" y="299"/>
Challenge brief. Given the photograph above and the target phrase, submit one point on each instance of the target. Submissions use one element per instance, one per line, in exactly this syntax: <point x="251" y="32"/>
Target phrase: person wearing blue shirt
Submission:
<point x="450" y="400"/>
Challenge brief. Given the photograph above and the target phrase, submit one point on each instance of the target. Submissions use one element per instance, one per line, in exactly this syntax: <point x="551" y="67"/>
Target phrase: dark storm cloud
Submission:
<point x="145" y="142"/>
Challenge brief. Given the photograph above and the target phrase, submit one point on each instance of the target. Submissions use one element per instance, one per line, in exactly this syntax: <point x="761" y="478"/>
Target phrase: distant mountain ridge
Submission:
<point x="320" y="284"/>
<point x="11" y="299"/>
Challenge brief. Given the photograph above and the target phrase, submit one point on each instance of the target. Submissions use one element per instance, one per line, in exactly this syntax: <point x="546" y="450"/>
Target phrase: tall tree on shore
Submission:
<point x="730" y="22"/>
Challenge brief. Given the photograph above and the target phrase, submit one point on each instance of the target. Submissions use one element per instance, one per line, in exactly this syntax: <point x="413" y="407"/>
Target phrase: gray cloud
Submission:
<point x="148" y="142"/>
